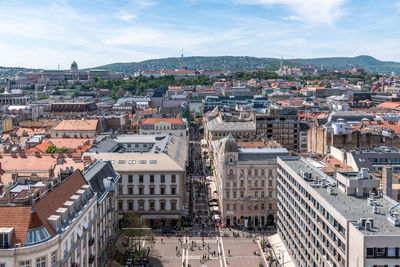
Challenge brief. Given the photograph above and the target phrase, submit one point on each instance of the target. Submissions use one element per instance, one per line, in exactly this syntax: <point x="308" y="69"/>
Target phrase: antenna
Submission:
<point x="181" y="61"/>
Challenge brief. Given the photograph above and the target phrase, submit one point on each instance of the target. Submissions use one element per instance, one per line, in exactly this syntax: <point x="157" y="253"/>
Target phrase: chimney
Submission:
<point x="13" y="154"/>
<point x="37" y="154"/>
<point x="60" y="158"/>
<point x="7" y="192"/>
<point x="387" y="181"/>
<point x="22" y="154"/>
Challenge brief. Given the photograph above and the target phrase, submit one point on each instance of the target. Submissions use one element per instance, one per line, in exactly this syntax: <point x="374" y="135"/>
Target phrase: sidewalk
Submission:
<point x="280" y="250"/>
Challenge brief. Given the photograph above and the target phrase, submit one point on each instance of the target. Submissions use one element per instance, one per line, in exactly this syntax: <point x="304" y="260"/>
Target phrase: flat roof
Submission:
<point x="352" y="208"/>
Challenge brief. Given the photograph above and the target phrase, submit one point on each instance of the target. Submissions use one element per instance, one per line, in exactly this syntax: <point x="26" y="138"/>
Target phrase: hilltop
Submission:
<point x="234" y="63"/>
<point x="369" y="63"/>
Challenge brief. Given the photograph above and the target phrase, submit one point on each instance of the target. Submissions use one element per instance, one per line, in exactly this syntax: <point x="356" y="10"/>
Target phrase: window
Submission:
<point x="140" y="178"/>
<point x="270" y="183"/>
<point x="256" y="183"/>
<point x="242" y="194"/>
<point x="230" y="159"/>
<point x="380" y="252"/>
<point x="141" y="205"/>
<point x="241" y="207"/>
<point x="234" y="194"/>
<point x="234" y="206"/>
<point x="141" y="190"/>
<point x="54" y="257"/>
<point x="130" y="190"/>
<point x="151" y="190"/>
<point x="262" y="194"/>
<point x="262" y="206"/>
<point x="241" y="183"/>
<point x="162" y="190"/>
<point x="255" y="172"/>
<point x="270" y="206"/>
<point x="230" y="172"/>
<point x="162" y="179"/>
<point x="173" y="205"/>
<point x="248" y="172"/>
<point x="173" y="178"/>
<point x="121" y="161"/>
<point x="262" y="172"/>
<point x="152" y="205"/>
<point x="41" y="262"/>
<point x="256" y="194"/>
<point x="262" y="183"/>
<point x="228" y="206"/>
<point x="162" y="205"/>
<point x="132" y="162"/>
<point x="25" y="263"/>
<point x="151" y="178"/>
<point x="391" y="252"/>
<point x="256" y="206"/>
<point x="173" y="190"/>
<point x="153" y="161"/>
<point x="142" y="162"/>
<point x="3" y="240"/>
<point x="120" y="205"/>
<point x="130" y="206"/>
<point x="270" y="193"/>
<point x="130" y="179"/>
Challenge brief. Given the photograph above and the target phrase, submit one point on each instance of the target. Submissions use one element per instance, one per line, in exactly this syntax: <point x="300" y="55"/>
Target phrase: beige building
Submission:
<point x="153" y="174"/>
<point x="57" y="228"/>
<point x="245" y="179"/>
<point x="344" y="221"/>
<point x="175" y="126"/>
<point x="76" y="128"/>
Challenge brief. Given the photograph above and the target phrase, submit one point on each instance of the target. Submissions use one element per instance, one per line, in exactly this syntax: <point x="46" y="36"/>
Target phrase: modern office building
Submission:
<point x="342" y="221"/>
<point x="153" y="174"/>
<point x="245" y="180"/>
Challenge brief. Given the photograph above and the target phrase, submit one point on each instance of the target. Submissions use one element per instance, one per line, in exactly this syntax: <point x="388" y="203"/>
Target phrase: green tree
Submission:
<point x="135" y="230"/>
<point x="51" y="149"/>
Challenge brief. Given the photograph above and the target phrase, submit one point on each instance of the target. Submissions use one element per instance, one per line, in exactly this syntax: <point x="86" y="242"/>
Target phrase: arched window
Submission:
<point x="270" y="206"/>
<point x="230" y="172"/>
<point x="230" y="159"/>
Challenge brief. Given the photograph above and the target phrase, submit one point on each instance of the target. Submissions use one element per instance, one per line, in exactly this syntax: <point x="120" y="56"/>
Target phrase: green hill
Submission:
<point x="369" y="63"/>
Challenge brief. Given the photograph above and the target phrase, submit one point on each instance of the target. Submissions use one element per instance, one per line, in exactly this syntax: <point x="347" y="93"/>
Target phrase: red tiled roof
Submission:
<point x="55" y="199"/>
<point x="17" y="217"/>
<point x="157" y="120"/>
<point x="390" y="105"/>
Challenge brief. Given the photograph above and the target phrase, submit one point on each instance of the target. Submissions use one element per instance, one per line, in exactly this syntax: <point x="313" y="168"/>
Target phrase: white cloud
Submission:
<point x="312" y="11"/>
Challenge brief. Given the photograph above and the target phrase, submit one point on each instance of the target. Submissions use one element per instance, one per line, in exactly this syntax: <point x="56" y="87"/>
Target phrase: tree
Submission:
<point x="135" y="230"/>
<point x="51" y="149"/>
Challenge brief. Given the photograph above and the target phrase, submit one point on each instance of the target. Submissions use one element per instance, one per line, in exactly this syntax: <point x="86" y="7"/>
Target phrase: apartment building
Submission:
<point x="283" y="126"/>
<point x="153" y="174"/>
<point x="102" y="179"/>
<point x="53" y="227"/>
<point x="175" y="126"/>
<point x="246" y="181"/>
<point x="77" y="128"/>
<point x="344" y="221"/>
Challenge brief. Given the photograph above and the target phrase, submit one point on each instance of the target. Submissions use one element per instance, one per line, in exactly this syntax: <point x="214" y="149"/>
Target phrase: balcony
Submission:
<point x="91" y="241"/>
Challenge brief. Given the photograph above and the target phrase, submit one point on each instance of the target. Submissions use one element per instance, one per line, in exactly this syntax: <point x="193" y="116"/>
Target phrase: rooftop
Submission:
<point x="76" y="125"/>
<point x="350" y="207"/>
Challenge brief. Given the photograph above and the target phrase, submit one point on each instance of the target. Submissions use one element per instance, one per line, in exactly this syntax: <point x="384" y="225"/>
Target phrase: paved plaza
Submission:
<point x="194" y="252"/>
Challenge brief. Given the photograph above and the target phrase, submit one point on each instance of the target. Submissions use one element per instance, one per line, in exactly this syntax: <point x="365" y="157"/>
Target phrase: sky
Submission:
<point x="52" y="33"/>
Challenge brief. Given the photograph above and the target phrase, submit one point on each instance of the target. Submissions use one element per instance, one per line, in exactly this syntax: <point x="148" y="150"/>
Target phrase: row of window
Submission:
<point x="151" y="205"/>
<point x="249" y="207"/>
<point x="39" y="262"/>
<point x="151" y="178"/>
<point x="256" y="172"/>
<point x="257" y="194"/>
<point x="148" y="190"/>
<point x="383" y="252"/>
<point x="249" y="183"/>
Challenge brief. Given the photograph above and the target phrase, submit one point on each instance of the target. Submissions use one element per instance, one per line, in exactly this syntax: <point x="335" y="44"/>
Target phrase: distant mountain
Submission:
<point x="369" y="63"/>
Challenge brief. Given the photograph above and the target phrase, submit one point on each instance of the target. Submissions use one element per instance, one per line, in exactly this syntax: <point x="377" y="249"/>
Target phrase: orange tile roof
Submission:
<point x="385" y="124"/>
<point x="17" y="217"/>
<point x="40" y="147"/>
<point x="55" y="199"/>
<point x="28" y="163"/>
<point x="76" y="125"/>
<point x="390" y="105"/>
<point x="157" y="120"/>
<point x="30" y="131"/>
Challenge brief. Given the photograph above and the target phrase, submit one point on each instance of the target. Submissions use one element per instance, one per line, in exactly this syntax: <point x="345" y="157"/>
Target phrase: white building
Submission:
<point x="344" y="221"/>
<point x="53" y="228"/>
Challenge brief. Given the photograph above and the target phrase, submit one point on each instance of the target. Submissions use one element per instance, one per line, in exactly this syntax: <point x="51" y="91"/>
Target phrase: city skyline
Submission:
<point x="51" y="33"/>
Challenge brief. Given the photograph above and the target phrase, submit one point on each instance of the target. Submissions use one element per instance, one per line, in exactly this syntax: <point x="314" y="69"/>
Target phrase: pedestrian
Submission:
<point x="176" y="248"/>
<point x="229" y="252"/>
<point x="162" y="240"/>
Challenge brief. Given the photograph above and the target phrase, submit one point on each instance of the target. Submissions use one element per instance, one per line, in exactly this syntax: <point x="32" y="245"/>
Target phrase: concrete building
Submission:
<point x="344" y="221"/>
<point x="56" y="227"/>
<point x="153" y="174"/>
<point x="102" y="180"/>
<point x="246" y="181"/>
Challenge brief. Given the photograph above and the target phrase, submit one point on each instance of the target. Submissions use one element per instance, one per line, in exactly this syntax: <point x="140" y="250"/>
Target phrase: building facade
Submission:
<point x="341" y="221"/>
<point x="57" y="228"/>
<point x="153" y="175"/>
<point x="246" y="182"/>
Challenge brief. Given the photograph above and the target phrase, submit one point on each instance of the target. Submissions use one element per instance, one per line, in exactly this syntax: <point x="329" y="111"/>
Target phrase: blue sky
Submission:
<point x="48" y="33"/>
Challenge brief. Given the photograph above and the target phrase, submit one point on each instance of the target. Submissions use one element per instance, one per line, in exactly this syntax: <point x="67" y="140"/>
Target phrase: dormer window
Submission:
<point x="5" y="236"/>
<point x="37" y="235"/>
<point x="230" y="159"/>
